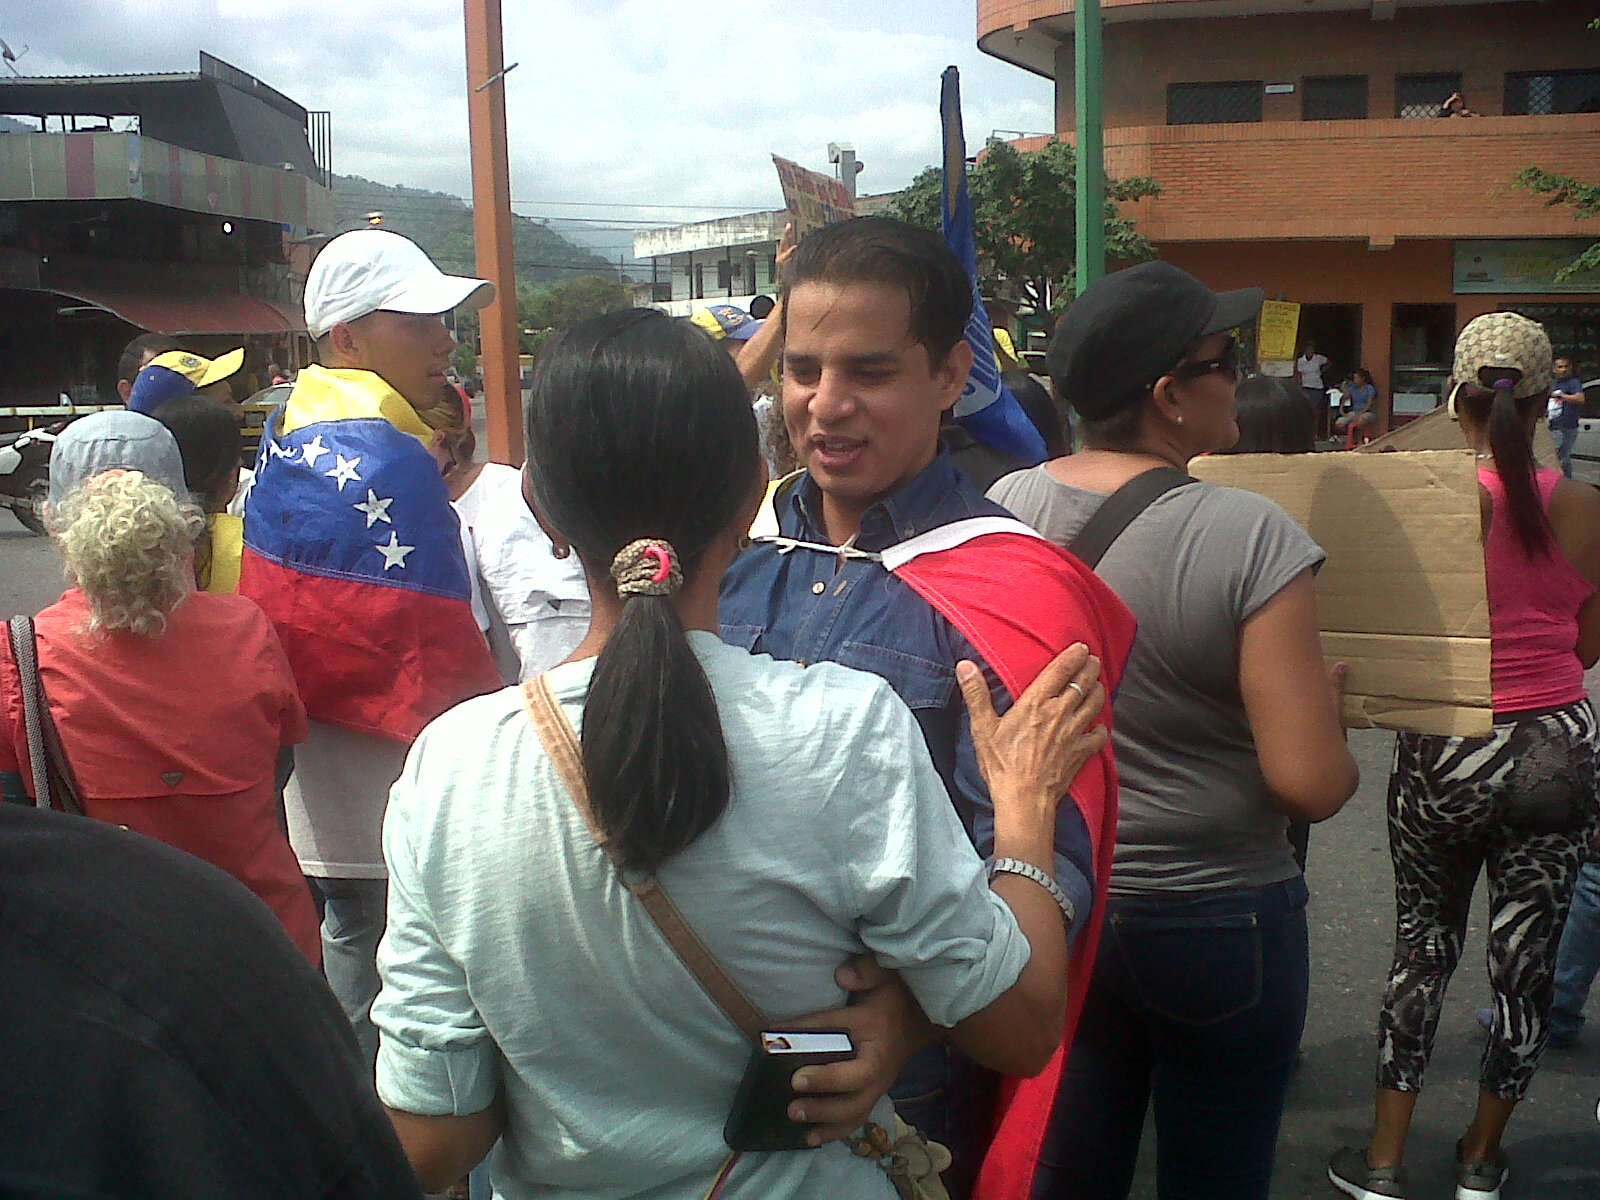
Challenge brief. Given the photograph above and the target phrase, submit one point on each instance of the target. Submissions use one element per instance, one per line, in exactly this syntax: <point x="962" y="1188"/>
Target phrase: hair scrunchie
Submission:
<point x="647" y="567"/>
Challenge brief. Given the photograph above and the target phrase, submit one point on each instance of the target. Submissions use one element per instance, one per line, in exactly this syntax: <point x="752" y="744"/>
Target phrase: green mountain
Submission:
<point x="442" y="225"/>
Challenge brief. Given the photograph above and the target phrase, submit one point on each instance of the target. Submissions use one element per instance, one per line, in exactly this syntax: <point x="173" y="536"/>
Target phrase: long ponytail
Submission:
<point x="1512" y="452"/>
<point x="642" y="452"/>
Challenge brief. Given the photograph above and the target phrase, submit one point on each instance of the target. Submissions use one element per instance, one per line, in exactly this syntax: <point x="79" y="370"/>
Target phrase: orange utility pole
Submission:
<point x="491" y="227"/>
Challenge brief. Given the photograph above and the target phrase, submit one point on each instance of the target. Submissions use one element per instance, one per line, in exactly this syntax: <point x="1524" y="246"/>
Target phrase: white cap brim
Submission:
<point x="438" y="294"/>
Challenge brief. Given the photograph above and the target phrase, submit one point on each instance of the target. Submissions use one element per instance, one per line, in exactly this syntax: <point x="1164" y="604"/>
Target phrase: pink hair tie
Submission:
<point x="664" y="563"/>
<point x="647" y="567"/>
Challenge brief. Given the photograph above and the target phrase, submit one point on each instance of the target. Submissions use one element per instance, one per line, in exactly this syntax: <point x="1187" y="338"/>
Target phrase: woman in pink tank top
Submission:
<point x="1520" y="802"/>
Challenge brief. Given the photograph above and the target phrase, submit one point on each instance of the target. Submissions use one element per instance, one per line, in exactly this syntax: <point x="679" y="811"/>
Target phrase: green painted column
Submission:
<point x="1091" y="192"/>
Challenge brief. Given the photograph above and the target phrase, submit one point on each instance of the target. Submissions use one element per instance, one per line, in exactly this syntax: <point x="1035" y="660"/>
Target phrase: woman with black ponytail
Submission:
<point x="790" y="812"/>
<point x="1520" y="802"/>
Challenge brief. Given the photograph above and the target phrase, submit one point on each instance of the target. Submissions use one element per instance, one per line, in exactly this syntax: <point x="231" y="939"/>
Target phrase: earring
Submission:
<point x="744" y="544"/>
<point x="560" y="551"/>
<point x="1178" y="418"/>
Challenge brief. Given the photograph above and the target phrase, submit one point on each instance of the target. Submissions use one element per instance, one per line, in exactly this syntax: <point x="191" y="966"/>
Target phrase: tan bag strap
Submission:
<point x="561" y="744"/>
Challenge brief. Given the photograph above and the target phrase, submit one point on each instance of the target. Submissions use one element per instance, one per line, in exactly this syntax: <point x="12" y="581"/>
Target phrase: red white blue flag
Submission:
<point x="352" y="549"/>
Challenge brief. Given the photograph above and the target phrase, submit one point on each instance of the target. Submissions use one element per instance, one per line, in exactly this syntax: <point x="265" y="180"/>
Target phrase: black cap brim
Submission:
<point x="1233" y="310"/>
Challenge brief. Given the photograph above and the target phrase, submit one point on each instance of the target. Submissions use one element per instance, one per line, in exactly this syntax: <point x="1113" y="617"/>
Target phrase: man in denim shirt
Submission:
<point x="874" y="354"/>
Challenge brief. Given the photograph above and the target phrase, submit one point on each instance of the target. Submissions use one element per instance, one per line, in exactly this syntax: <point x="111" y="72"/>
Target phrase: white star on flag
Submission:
<point x="394" y="554"/>
<point x="344" y="470"/>
<point x="277" y="451"/>
<point x="314" y="449"/>
<point x="375" y="509"/>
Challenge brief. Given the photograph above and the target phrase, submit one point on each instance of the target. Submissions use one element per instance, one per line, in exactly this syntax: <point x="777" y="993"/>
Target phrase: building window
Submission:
<point x="1213" y="103"/>
<point x="1574" y="331"/>
<point x="1424" y="95"/>
<point x="1532" y="93"/>
<point x="724" y="275"/>
<point x="1334" y="98"/>
<point x="699" y="281"/>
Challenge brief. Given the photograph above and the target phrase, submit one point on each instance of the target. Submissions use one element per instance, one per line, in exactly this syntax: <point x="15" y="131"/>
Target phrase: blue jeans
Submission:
<point x="1197" y="1005"/>
<point x="950" y="1099"/>
<point x="354" y="913"/>
<point x="1566" y="441"/>
<point x="1578" y="960"/>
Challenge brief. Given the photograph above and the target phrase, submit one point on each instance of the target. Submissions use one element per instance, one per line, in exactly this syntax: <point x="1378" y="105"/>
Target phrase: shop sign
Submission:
<point x="1527" y="266"/>
<point x="1280" y="324"/>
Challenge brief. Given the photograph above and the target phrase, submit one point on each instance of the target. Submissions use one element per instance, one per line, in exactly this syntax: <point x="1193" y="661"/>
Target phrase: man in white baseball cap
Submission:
<point x="333" y="482"/>
<point x="375" y="302"/>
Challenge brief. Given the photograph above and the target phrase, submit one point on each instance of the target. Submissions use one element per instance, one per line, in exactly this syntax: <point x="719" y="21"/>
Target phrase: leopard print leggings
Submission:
<point x="1521" y="803"/>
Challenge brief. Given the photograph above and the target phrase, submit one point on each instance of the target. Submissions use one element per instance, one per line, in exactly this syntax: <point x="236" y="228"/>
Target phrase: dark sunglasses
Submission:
<point x="1227" y="363"/>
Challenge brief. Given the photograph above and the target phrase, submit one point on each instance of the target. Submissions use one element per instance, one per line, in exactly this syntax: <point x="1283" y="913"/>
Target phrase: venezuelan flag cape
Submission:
<point x="352" y="549"/>
<point x="1021" y="600"/>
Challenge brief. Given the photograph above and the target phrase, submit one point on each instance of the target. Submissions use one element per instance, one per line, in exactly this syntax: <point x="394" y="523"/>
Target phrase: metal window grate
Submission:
<point x="1213" y="103"/>
<point x="1334" y="98"/>
<point x="1535" y="93"/>
<point x="1424" y="95"/>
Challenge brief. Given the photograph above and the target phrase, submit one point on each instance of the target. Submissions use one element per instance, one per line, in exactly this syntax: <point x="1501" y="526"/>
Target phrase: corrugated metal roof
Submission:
<point x="67" y="80"/>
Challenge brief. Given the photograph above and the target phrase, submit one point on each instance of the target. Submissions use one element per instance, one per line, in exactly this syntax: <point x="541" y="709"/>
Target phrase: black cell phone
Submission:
<point x="759" y="1120"/>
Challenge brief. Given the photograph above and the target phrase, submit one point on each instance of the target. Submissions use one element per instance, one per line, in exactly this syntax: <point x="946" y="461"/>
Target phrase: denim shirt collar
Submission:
<point x="937" y="496"/>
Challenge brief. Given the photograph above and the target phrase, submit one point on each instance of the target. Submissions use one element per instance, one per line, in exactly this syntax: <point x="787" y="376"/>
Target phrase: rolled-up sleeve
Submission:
<point x="435" y="1058"/>
<point x="922" y="894"/>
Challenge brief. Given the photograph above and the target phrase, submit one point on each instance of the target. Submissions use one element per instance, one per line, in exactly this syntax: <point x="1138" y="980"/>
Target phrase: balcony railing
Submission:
<point x="128" y="166"/>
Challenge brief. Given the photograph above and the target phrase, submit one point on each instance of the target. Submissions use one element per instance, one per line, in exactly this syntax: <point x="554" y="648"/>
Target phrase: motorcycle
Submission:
<point x="25" y="474"/>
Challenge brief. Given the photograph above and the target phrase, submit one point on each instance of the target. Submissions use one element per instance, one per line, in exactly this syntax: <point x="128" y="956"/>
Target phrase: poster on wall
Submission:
<point x="812" y="198"/>
<point x="1280" y="325"/>
<point x="1525" y="266"/>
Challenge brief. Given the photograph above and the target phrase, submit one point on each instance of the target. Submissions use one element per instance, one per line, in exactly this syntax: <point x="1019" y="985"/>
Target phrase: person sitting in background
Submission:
<point x="209" y="441"/>
<point x="536" y="604"/>
<point x="179" y="373"/>
<point x="1359" y="395"/>
<point x="171" y="704"/>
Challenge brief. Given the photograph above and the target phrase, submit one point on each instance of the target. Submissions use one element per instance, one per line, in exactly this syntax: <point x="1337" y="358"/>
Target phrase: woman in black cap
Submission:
<point x="1226" y="729"/>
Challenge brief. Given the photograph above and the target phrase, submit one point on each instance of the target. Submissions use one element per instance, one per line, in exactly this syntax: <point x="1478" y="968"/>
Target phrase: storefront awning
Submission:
<point x="215" y="312"/>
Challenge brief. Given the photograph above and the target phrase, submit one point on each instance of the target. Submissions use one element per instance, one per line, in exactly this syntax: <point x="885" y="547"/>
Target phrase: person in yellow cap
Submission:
<point x="180" y="373"/>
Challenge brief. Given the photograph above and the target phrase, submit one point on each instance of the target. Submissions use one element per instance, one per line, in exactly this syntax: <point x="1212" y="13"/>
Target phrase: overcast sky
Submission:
<point x="642" y="102"/>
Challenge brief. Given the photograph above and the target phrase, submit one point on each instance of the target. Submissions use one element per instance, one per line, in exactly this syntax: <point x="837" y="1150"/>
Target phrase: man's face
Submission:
<point x="411" y="351"/>
<point x="1563" y="368"/>
<point x="125" y="386"/>
<point x="861" y="399"/>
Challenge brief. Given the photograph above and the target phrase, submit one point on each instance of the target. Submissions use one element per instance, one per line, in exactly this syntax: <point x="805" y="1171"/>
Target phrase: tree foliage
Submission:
<point x="1583" y="198"/>
<point x="1024" y="206"/>
<point x="542" y="311"/>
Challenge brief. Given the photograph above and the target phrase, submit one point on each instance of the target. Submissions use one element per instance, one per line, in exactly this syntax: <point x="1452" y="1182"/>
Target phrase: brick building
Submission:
<point x="184" y="204"/>
<point x="1299" y="146"/>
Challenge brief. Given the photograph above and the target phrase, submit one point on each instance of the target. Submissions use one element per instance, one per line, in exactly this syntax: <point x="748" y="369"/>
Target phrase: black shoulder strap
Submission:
<point x="1121" y="509"/>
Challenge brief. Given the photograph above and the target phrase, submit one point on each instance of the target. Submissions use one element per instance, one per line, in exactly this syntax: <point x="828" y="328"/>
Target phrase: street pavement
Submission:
<point x="1554" y="1141"/>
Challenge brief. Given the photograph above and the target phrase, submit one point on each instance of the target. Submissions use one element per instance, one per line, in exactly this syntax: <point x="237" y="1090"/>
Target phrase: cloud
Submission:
<point x="641" y="101"/>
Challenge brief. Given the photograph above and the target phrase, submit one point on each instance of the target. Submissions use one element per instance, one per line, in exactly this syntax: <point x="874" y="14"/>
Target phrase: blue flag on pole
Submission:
<point x="986" y="409"/>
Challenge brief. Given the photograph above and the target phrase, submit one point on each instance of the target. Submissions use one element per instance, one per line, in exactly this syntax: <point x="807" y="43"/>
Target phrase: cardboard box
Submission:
<point x="1438" y="430"/>
<point x="1402" y="597"/>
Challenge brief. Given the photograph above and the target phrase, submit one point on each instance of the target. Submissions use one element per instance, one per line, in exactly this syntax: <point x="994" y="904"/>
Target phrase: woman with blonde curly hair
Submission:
<point x="171" y="704"/>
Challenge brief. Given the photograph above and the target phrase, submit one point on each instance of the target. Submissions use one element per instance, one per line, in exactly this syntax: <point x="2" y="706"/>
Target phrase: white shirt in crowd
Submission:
<point x="1310" y="369"/>
<point x="542" y="600"/>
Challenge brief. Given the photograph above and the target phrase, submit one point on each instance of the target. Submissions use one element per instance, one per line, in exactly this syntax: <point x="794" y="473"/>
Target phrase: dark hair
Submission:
<point x="1366" y="375"/>
<point x="1489" y="402"/>
<point x="639" y="426"/>
<point x="1041" y="410"/>
<point x="761" y="307"/>
<point x="146" y="345"/>
<point x="884" y="250"/>
<point x="1273" y="417"/>
<point x="208" y="438"/>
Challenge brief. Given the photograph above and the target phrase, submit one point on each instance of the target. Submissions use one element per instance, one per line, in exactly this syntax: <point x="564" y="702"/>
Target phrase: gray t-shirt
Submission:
<point x="1195" y="813"/>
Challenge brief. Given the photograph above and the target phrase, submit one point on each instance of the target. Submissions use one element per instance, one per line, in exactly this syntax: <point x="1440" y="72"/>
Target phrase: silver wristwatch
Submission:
<point x="1015" y="866"/>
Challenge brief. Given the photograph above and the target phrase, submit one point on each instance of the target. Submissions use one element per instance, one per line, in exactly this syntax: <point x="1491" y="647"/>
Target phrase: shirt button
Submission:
<point x="818" y="588"/>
